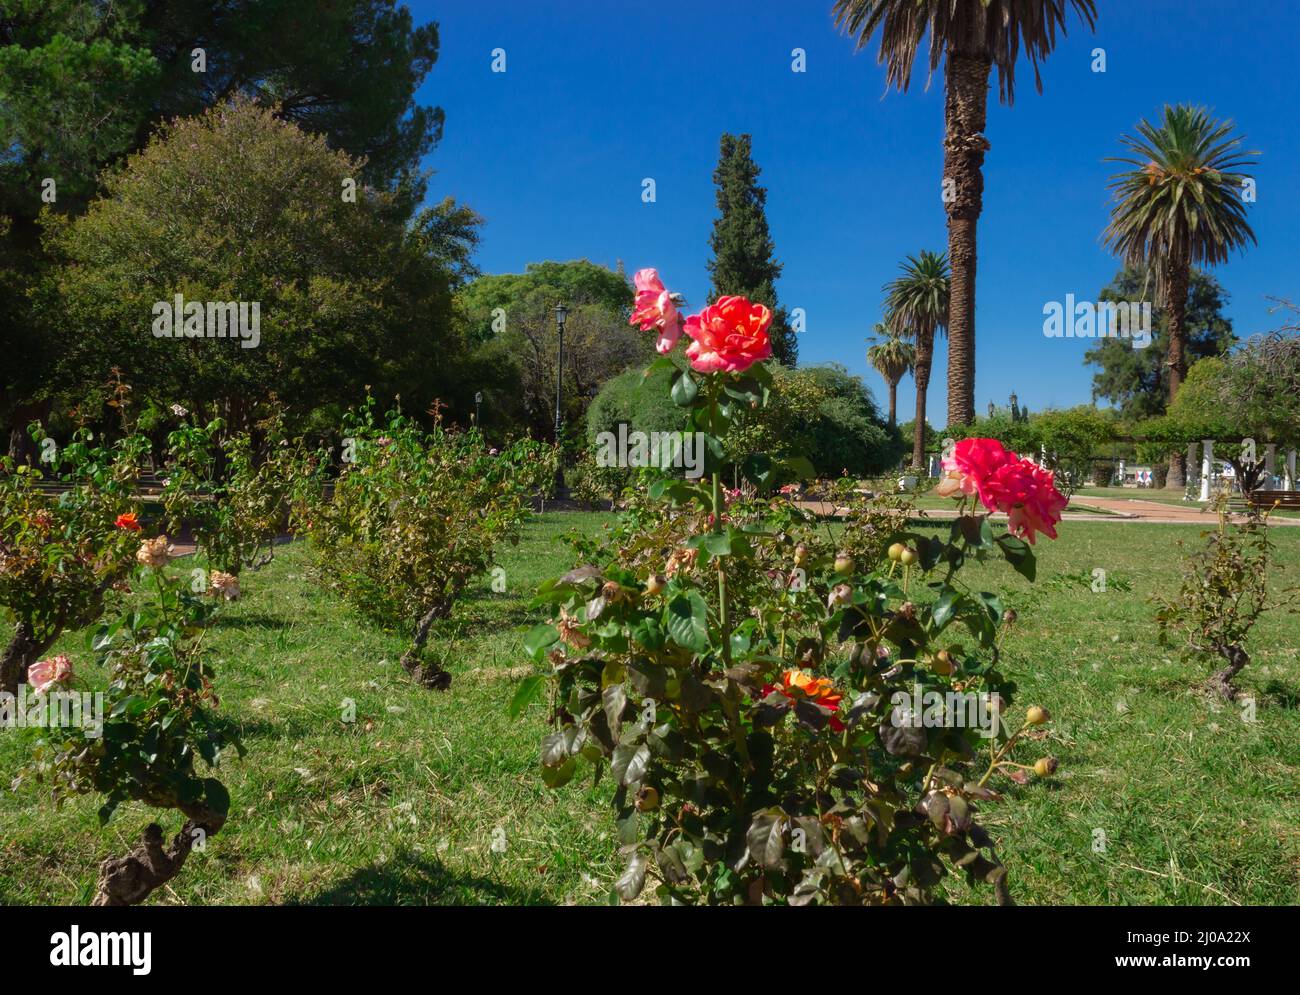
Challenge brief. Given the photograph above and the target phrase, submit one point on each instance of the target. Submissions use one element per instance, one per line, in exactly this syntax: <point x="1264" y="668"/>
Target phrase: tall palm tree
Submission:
<point x="1180" y="205"/>
<point x="916" y="305"/>
<point x="893" y="357"/>
<point x="976" y="36"/>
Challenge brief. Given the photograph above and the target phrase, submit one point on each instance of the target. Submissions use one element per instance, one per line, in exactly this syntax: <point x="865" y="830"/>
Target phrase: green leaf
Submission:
<point x="529" y="690"/>
<point x="685" y="390"/>
<point x="558" y="777"/>
<point x="688" y="621"/>
<point x="540" y="638"/>
<point x="632" y="880"/>
<point x="945" y="606"/>
<point x="648" y="632"/>
<point x="629" y="762"/>
<point x="1020" y="555"/>
<point x="766" y="838"/>
<point x="218" y="798"/>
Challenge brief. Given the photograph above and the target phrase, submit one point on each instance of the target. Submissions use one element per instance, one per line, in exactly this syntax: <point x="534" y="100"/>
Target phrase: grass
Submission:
<point x="403" y="806"/>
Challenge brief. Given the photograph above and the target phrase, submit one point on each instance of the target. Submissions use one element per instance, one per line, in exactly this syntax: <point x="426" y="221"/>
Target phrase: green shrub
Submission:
<point x="414" y="517"/>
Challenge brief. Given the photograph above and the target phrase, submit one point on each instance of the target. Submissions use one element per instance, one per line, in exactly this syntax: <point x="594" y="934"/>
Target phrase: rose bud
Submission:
<point x="843" y="564"/>
<point x="1036" y="715"/>
<point x="840" y="595"/>
<point x="647" y="799"/>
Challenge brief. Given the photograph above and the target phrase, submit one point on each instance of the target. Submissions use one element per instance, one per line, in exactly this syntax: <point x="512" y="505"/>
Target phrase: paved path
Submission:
<point x="1121" y="510"/>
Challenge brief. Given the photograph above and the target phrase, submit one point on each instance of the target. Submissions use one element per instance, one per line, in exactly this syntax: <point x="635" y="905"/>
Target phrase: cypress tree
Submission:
<point x="744" y="260"/>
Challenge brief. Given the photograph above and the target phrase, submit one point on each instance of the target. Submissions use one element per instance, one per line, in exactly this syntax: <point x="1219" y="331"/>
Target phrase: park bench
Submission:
<point x="1273" y="499"/>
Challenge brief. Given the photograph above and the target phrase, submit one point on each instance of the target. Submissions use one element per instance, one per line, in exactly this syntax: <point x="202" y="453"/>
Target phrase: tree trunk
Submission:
<point x="428" y="674"/>
<point x="1221" y="682"/>
<point x="1177" y="275"/>
<point x="23" y="650"/>
<point x="921" y="374"/>
<point x="893" y="403"/>
<point x="129" y="880"/>
<point x="964" y="145"/>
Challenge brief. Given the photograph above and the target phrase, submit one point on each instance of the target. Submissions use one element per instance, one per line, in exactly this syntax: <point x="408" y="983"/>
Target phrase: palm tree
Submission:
<point x="1180" y="205"/>
<point x="976" y="36"/>
<point x="893" y="357"/>
<point x="916" y="305"/>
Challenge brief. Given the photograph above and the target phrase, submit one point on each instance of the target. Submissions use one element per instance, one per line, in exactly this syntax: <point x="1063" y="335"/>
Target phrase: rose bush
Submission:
<point x="64" y="543"/>
<point x="413" y="517"/>
<point x="742" y="673"/>
<point x="158" y="724"/>
<point x="235" y="502"/>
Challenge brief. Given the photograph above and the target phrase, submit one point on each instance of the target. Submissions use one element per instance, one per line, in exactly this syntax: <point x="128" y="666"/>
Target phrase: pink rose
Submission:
<point x="654" y="308"/>
<point x="729" y="335"/>
<point x="44" y="674"/>
<point x="1028" y="494"/>
<point x="974" y="461"/>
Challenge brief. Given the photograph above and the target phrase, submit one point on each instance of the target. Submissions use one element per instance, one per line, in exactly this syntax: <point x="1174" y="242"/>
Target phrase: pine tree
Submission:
<point x="743" y="260"/>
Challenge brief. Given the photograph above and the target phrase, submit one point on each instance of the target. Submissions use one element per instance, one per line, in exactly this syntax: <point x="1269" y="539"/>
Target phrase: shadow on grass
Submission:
<point x="1284" y="695"/>
<point x="409" y="879"/>
<point x="250" y="622"/>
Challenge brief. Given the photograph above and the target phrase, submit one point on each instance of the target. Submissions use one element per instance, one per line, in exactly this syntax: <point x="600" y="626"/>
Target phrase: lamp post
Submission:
<point x="478" y="400"/>
<point x="561" y="313"/>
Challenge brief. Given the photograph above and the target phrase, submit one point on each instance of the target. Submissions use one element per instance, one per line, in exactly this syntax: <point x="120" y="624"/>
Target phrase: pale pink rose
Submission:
<point x="44" y="674"/>
<point x="950" y="486"/>
<point x="154" y="552"/>
<point x="223" y="585"/>
<point x="654" y="309"/>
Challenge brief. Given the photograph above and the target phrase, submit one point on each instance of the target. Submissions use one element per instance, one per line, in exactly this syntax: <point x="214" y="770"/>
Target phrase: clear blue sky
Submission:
<point x="599" y="94"/>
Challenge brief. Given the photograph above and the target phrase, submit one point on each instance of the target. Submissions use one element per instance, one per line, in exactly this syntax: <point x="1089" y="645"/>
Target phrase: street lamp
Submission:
<point x="561" y="313"/>
<point x="478" y="399"/>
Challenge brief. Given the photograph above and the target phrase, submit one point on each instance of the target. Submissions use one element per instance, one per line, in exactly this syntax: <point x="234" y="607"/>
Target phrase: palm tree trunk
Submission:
<point x="921" y="374"/>
<point x="964" y="145"/>
<point x="893" y="403"/>
<point x="1177" y="276"/>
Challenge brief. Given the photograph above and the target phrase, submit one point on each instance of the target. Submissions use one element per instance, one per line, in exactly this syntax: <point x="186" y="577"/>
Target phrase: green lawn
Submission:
<point x="1197" y="806"/>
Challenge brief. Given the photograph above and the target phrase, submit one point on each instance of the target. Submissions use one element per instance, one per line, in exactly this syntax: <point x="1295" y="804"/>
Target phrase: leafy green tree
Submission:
<point x="744" y="262"/>
<point x="511" y="318"/>
<point x="82" y="83"/>
<point x="1136" y="380"/>
<point x="1181" y="204"/>
<point x="348" y="294"/>
<point x="970" y="39"/>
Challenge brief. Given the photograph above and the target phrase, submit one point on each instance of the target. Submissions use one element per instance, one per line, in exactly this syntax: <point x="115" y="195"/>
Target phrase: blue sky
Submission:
<point x="600" y="94"/>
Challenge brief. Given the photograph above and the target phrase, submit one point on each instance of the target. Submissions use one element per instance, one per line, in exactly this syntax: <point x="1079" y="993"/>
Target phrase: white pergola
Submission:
<point x="1270" y="464"/>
